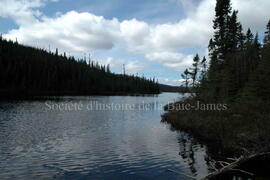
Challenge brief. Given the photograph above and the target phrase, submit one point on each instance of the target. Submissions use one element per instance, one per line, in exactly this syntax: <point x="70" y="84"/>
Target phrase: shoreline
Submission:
<point x="39" y="96"/>
<point x="226" y="134"/>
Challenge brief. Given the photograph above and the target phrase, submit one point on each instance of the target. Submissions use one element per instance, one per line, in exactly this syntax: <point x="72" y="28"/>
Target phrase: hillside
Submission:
<point x="169" y="88"/>
<point x="27" y="71"/>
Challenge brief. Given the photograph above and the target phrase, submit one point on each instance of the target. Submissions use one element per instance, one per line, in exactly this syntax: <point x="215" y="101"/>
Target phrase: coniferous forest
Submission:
<point x="27" y="71"/>
<point x="236" y="75"/>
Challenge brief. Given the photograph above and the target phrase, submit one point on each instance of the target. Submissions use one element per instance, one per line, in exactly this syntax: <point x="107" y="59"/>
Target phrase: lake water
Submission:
<point x="96" y="137"/>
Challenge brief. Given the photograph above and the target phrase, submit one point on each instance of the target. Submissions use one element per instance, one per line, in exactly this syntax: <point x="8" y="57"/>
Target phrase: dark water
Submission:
<point x="46" y="140"/>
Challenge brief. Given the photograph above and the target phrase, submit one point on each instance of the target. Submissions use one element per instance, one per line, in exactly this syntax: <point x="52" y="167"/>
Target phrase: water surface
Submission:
<point x="52" y="140"/>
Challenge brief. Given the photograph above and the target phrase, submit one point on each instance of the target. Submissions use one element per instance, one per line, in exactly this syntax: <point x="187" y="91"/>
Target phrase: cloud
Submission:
<point x="131" y="67"/>
<point x="195" y="30"/>
<point x="172" y="60"/>
<point x="135" y="67"/>
<point x="72" y="32"/>
<point x="253" y="13"/>
<point x="83" y="32"/>
<point x="173" y="82"/>
<point x="188" y="5"/>
<point x="20" y="11"/>
<point x="135" y="34"/>
<point x="23" y="12"/>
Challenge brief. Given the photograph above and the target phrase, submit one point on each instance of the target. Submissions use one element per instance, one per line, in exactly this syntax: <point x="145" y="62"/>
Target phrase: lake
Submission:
<point x="95" y="137"/>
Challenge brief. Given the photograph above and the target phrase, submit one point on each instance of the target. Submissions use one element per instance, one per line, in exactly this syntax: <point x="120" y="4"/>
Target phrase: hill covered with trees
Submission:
<point x="27" y="71"/>
<point x="236" y="75"/>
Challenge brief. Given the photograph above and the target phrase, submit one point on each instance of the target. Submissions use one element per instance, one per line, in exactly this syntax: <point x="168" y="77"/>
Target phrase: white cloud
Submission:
<point x="23" y="12"/>
<point x="194" y="30"/>
<point x="80" y="32"/>
<point x="72" y="32"/>
<point x="175" y="61"/>
<point x="188" y="6"/>
<point x="135" y="67"/>
<point x="173" y="82"/>
<point x="131" y="67"/>
<point x="253" y="13"/>
<point x="135" y="34"/>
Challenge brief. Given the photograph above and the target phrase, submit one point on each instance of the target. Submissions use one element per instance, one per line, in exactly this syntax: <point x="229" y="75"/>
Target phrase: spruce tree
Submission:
<point x="249" y="37"/>
<point x="203" y="65"/>
<point x="185" y="77"/>
<point x="267" y="34"/>
<point x="233" y="33"/>
<point x="224" y="40"/>
<point x="264" y="67"/>
<point x="221" y="27"/>
<point x="195" y="69"/>
<point x="240" y="37"/>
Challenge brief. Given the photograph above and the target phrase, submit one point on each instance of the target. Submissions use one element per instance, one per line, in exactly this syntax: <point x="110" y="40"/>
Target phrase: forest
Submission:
<point x="27" y="71"/>
<point x="235" y="74"/>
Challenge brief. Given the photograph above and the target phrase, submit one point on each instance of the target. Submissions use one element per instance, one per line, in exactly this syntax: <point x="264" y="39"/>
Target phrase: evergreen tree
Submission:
<point x="226" y="29"/>
<point x="240" y="37"/>
<point x="263" y="72"/>
<point x="195" y="69"/>
<point x="249" y="37"/>
<point x="221" y="26"/>
<point x="267" y="34"/>
<point x="203" y="65"/>
<point x="233" y="33"/>
<point x="56" y="52"/>
<point x="185" y="77"/>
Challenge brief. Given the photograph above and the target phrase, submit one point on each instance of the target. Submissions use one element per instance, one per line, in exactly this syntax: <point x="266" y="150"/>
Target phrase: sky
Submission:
<point x="153" y="38"/>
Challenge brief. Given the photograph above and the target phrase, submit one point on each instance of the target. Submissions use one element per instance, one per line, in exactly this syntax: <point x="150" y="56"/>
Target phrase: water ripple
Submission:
<point x="39" y="144"/>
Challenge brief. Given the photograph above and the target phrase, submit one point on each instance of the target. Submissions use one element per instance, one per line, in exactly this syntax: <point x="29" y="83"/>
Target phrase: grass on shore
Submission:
<point x="243" y="125"/>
